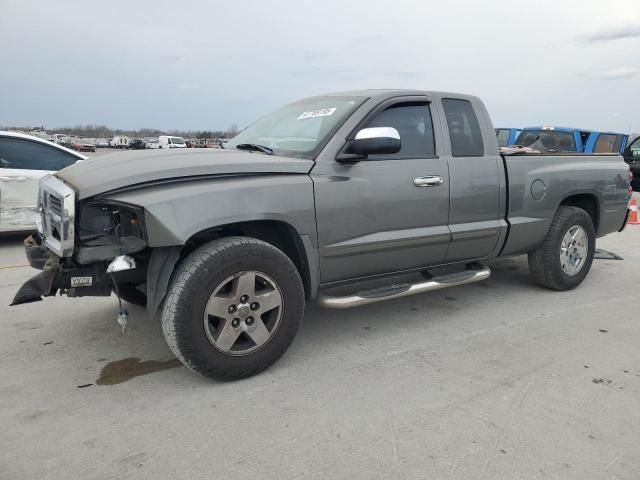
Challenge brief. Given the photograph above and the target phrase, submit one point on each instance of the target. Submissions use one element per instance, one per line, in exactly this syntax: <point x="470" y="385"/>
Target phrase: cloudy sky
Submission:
<point x="209" y="64"/>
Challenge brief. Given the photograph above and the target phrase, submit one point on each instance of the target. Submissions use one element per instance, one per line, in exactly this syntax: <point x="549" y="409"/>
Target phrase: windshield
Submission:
<point x="300" y="129"/>
<point x="176" y="140"/>
<point x="552" y="139"/>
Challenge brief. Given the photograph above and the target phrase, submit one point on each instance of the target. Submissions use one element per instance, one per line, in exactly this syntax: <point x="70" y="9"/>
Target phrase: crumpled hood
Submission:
<point x="104" y="173"/>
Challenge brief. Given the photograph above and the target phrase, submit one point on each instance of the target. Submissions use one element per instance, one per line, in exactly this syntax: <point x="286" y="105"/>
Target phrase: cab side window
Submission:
<point x="503" y="137"/>
<point x="413" y="123"/>
<point x="464" y="129"/>
<point x="28" y="155"/>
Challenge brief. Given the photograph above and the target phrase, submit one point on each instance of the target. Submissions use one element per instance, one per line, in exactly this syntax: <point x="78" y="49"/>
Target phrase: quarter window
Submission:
<point x="464" y="129"/>
<point x="503" y="137"/>
<point x="28" y="155"/>
<point x="605" y="144"/>
<point x="413" y="123"/>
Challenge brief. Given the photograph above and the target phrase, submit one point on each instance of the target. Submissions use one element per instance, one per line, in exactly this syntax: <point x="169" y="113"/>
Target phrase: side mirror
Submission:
<point x="371" y="141"/>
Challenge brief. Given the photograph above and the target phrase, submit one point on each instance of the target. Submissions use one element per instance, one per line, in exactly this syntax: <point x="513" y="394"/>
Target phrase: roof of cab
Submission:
<point x="382" y="93"/>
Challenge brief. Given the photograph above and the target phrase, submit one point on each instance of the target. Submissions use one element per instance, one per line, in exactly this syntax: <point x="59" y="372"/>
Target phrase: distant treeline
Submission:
<point x="102" y="131"/>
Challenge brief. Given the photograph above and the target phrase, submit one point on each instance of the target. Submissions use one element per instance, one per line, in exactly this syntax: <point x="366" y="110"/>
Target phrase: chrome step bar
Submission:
<point x="475" y="273"/>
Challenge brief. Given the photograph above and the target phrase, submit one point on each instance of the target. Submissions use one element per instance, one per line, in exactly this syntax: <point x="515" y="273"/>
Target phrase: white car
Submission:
<point x="152" y="144"/>
<point x="25" y="159"/>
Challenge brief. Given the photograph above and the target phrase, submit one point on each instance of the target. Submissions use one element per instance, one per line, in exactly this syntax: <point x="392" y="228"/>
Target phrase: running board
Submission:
<point x="475" y="273"/>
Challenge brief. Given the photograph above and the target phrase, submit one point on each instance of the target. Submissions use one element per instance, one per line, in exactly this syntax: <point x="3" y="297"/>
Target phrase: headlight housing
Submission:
<point x="57" y="211"/>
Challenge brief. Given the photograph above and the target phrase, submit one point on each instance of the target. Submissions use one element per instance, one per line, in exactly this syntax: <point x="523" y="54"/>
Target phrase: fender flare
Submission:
<point x="162" y="263"/>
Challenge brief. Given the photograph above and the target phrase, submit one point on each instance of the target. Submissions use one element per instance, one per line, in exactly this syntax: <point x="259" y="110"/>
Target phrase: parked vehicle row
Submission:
<point x="328" y="191"/>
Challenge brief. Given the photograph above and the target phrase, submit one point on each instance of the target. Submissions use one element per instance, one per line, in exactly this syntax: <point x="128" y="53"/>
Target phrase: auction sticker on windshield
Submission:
<point x="322" y="112"/>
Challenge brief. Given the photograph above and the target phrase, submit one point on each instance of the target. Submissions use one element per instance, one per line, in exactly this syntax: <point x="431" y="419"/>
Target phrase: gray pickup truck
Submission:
<point x="326" y="192"/>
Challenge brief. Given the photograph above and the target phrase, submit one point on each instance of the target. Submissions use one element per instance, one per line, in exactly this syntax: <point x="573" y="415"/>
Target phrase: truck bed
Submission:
<point x="537" y="183"/>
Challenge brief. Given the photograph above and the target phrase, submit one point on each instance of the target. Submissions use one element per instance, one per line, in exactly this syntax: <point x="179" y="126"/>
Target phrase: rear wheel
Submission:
<point x="564" y="259"/>
<point x="233" y="308"/>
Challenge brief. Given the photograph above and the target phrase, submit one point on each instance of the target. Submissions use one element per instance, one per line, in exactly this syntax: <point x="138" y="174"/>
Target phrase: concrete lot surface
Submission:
<point x="497" y="380"/>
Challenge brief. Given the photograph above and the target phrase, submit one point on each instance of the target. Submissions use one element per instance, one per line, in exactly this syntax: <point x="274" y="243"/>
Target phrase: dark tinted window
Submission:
<point x="29" y="155"/>
<point x="503" y="136"/>
<point x="464" y="129"/>
<point x="413" y="123"/>
<point x="634" y="148"/>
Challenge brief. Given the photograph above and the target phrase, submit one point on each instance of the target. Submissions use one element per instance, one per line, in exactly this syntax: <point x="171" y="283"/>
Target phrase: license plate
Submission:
<point x="81" y="281"/>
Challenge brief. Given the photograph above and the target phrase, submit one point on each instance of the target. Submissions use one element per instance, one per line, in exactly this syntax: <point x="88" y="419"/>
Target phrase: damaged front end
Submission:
<point x="104" y="248"/>
<point x="62" y="276"/>
<point x="46" y="282"/>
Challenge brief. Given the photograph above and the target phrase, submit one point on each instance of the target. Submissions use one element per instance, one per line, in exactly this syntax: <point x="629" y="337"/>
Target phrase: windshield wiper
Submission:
<point x="255" y="147"/>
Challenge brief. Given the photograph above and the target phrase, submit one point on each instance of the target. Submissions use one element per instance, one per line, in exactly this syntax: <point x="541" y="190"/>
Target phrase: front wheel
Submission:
<point x="564" y="259"/>
<point x="233" y="308"/>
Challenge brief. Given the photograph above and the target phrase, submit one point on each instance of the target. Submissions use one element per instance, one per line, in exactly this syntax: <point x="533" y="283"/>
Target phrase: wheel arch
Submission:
<point x="586" y="201"/>
<point x="280" y="234"/>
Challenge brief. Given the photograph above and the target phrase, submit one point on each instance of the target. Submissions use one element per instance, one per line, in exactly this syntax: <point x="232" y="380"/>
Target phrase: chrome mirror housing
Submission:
<point x="371" y="141"/>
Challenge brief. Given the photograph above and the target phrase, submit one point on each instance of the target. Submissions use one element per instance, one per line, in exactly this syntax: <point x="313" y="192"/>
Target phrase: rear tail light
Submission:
<point x="630" y="190"/>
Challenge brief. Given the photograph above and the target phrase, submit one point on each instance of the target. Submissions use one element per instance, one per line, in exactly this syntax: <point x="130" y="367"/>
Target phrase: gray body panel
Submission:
<point x="366" y="218"/>
<point x="603" y="176"/>
<point x="175" y="212"/>
<point x="126" y="169"/>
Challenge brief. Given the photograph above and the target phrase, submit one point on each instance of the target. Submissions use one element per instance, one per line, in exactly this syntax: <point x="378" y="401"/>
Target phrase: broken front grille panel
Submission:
<point x="56" y="206"/>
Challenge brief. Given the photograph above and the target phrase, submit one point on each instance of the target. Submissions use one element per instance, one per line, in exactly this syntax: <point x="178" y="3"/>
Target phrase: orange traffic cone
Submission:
<point x="633" y="214"/>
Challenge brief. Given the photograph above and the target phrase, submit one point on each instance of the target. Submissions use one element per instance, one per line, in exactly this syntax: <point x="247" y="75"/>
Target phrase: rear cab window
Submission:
<point x="464" y="129"/>
<point x="23" y="154"/>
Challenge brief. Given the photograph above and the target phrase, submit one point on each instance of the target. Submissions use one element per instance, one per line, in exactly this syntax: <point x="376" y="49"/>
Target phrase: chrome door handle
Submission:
<point x="12" y="179"/>
<point x="428" y="181"/>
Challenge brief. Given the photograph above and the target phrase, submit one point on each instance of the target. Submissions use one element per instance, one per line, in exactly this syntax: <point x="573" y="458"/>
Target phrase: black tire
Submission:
<point x="132" y="295"/>
<point x="544" y="263"/>
<point x="196" y="279"/>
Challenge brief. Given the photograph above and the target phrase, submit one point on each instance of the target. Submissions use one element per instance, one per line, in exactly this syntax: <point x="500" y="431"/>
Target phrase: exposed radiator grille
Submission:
<point x="54" y="204"/>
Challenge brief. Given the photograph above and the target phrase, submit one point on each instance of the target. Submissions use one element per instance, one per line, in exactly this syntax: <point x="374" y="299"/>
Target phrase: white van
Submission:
<point x="166" y="141"/>
<point x="120" y="141"/>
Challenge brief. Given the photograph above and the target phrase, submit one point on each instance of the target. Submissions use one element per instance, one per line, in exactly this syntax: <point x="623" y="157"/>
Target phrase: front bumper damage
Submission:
<point x="66" y="278"/>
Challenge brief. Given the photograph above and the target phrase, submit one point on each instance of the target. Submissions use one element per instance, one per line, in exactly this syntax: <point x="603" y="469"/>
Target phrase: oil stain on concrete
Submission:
<point x="123" y="370"/>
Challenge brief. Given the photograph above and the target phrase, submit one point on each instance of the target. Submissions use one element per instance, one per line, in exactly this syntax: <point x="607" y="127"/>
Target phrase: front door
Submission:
<point x="386" y="213"/>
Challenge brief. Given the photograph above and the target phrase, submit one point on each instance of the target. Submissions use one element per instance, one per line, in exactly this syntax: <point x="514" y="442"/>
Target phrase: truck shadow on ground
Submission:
<point x="322" y="330"/>
<point x="432" y="307"/>
<point x="323" y="334"/>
